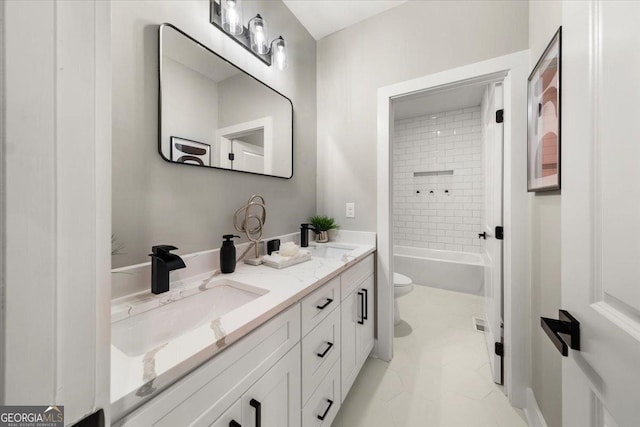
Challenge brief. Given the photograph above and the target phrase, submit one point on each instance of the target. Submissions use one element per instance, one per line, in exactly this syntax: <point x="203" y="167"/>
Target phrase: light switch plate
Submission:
<point x="351" y="210"/>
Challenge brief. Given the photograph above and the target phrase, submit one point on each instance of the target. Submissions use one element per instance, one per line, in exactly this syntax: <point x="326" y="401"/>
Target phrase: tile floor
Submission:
<point x="439" y="375"/>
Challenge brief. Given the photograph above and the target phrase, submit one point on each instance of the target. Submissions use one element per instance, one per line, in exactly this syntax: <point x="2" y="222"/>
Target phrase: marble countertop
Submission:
<point x="137" y="376"/>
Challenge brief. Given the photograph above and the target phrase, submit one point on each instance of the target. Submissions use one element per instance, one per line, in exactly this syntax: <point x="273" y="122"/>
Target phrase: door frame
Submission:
<point x="515" y="68"/>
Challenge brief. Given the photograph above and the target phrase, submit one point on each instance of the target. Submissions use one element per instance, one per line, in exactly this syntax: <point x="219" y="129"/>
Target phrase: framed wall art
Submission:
<point x="190" y="152"/>
<point x="543" y="125"/>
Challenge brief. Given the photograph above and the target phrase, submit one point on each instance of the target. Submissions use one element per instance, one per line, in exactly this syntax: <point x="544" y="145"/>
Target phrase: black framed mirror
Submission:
<point x="214" y="114"/>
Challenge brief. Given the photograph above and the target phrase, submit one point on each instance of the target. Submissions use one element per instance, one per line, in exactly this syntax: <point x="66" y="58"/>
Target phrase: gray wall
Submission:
<point x="157" y="202"/>
<point x="409" y="41"/>
<point x="546" y="365"/>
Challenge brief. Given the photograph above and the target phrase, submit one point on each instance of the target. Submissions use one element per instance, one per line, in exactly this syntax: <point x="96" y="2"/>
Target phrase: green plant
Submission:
<point x="323" y="223"/>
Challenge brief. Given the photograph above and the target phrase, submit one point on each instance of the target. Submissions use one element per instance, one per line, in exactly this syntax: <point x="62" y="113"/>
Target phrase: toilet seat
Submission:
<point x="400" y="280"/>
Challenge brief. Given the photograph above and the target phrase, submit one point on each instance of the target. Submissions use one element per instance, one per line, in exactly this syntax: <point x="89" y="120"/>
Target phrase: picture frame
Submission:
<point x="190" y="152"/>
<point x="544" y="119"/>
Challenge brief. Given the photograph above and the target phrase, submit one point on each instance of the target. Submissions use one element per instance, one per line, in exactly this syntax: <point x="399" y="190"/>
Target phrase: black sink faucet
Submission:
<point x="304" y="234"/>
<point x="162" y="262"/>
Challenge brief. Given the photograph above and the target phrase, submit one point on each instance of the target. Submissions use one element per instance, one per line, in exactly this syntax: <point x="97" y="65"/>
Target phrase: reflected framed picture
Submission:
<point x="190" y="152"/>
<point x="543" y="125"/>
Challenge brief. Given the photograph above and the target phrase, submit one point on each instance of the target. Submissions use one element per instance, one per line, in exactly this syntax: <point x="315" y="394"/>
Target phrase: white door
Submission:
<point x="493" y="137"/>
<point x="601" y="211"/>
<point x="247" y="157"/>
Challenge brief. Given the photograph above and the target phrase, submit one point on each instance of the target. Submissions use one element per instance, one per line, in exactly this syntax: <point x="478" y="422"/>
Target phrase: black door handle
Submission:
<point x="482" y="235"/>
<point x="323" y="306"/>
<point x="361" y="321"/>
<point x="258" y="406"/>
<point x="326" y="350"/>
<point x="234" y="423"/>
<point x="326" y="411"/>
<point x="365" y="305"/>
<point x="567" y="325"/>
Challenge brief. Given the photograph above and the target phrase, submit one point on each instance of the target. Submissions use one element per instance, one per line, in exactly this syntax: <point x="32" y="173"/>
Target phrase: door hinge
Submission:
<point x="231" y="156"/>
<point x="499" y="232"/>
<point x="499" y="116"/>
<point x="499" y="348"/>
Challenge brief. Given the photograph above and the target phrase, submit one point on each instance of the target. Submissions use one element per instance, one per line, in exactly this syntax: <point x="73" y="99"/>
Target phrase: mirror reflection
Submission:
<point x="214" y="114"/>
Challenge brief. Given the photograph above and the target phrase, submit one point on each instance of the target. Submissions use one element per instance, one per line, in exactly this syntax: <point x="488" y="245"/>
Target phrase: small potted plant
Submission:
<point x="323" y="224"/>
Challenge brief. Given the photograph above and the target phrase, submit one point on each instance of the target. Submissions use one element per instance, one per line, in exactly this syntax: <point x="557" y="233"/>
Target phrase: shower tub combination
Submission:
<point x="454" y="271"/>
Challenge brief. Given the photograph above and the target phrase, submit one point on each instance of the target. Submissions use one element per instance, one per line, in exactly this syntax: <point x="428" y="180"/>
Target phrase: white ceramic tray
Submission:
<point x="288" y="263"/>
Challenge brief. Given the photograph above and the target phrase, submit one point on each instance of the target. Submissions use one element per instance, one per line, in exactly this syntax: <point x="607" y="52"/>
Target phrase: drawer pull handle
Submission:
<point x="366" y="304"/>
<point x="234" y="423"/>
<point x="323" y="306"/>
<point x="258" y="406"/>
<point x="361" y="321"/>
<point x="326" y="350"/>
<point x="326" y="411"/>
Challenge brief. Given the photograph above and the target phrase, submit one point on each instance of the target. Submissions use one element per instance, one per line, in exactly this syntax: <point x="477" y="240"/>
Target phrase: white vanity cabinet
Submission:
<point x="206" y="396"/>
<point x="357" y="317"/>
<point x="231" y="416"/>
<point x="293" y="371"/>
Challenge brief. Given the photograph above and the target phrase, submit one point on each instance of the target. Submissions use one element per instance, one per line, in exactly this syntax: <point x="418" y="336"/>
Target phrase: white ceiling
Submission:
<point x="424" y="104"/>
<point x="323" y="17"/>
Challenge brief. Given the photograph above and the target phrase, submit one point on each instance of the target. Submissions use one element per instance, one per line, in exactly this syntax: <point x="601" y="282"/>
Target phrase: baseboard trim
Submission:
<point x="532" y="411"/>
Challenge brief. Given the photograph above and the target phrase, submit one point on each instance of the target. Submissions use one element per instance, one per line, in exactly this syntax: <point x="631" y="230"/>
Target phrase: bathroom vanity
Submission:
<point x="286" y="355"/>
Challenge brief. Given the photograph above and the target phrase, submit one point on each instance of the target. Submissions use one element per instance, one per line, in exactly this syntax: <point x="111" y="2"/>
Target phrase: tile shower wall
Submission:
<point x="438" y="181"/>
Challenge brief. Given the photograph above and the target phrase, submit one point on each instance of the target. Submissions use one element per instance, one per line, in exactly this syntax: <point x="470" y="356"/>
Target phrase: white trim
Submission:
<point x="532" y="411"/>
<point x="58" y="204"/>
<point x="225" y="135"/>
<point x="514" y="68"/>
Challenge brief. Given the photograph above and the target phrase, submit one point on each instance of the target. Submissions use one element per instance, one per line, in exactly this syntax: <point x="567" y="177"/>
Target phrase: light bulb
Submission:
<point x="232" y="16"/>
<point x="258" y="35"/>
<point x="279" y="54"/>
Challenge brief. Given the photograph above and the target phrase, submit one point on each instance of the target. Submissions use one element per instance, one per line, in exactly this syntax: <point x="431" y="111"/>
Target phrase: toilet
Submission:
<point x="402" y="285"/>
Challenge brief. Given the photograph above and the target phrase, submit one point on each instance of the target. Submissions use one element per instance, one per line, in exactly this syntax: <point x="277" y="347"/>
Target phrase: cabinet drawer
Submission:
<point x="325" y="401"/>
<point x="320" y="350"/>
<point x="319" y="304"/>
<point x="355" y="275"/>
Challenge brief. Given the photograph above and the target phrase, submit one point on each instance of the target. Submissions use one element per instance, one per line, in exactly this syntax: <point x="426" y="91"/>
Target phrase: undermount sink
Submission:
<point x="330" y="251"/>
<point x="147" y="331"/>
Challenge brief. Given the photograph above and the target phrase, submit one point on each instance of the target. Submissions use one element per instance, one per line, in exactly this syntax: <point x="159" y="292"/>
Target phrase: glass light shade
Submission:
<point x="279" y="54"/>
<point x="258" y="35"/>
<point x="231" y="14"/>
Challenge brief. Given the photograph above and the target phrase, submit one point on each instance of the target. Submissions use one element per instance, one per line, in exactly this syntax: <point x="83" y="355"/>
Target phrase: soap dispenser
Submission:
<point x="228" y="254"/>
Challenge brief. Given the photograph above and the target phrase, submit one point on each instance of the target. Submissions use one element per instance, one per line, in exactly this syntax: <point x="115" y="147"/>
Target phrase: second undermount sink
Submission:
<point x="150" y="330"/>
<point x="330" y="250"/>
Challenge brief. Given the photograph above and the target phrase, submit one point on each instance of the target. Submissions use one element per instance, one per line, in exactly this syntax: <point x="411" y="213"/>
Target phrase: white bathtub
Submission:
<point x="455" y="271"/>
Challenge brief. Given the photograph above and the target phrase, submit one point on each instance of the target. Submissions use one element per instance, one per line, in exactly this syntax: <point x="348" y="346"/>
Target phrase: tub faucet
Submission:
<point x="162" y="262"/>
<point x="304" y="234"/>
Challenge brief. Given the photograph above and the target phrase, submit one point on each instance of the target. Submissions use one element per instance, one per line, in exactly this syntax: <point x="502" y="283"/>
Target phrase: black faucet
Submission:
<point x="162" y="262"/>
<point x="304" y="234"/>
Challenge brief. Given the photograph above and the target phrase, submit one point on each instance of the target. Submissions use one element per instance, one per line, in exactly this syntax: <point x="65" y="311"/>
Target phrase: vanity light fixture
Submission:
<point x="231" y="15"/>
<point x="279" y="53"/>
<point x="227" y="15"/>
<point x="258" y="35"/>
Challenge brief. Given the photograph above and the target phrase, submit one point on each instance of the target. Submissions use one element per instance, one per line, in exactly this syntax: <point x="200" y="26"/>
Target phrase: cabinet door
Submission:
<point x="351" y="315"/>
<point x="357" y="331"/>
<point x="231" y="416"/>
<point x="274" y="400"/>
<point x="364" y="336"/>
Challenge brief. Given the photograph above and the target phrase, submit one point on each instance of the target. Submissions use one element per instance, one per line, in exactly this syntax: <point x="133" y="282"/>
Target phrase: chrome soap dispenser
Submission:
<point x="228" y="254"/>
